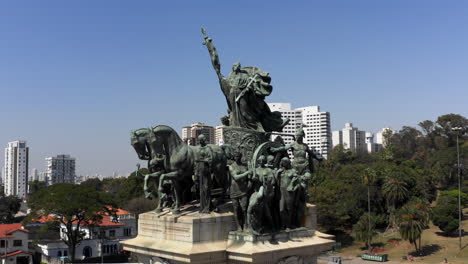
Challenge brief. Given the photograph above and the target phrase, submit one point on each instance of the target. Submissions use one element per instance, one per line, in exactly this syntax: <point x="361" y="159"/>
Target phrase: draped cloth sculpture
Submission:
<point x="245" y="90"/>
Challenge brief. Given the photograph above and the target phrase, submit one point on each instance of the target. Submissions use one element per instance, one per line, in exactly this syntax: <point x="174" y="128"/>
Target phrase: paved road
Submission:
<point x="348" y="260"/>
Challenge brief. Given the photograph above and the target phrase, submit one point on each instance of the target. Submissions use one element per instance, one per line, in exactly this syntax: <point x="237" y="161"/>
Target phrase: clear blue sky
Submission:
<point x="77" y="76"/>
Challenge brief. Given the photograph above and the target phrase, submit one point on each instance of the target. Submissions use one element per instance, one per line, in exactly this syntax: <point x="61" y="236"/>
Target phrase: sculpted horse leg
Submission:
<point x="148" y="194"/>
<point x="174" y="177"/>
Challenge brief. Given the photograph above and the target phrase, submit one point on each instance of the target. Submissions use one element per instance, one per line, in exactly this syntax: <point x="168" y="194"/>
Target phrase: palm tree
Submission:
<point x="364" y="229"/>
<point x="411" y="221"/>
<point x="423" y="209"/>
<point x="395" y="191"/>
<point x="368" y="178"/>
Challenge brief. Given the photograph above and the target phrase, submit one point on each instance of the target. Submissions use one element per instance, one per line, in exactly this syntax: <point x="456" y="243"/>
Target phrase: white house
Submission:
<point x="14" y="244"/>
<point x="99" y="238"/>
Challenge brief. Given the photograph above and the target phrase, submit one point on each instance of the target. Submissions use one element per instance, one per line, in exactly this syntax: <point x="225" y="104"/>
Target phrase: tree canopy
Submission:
<point x="73" y="206"/>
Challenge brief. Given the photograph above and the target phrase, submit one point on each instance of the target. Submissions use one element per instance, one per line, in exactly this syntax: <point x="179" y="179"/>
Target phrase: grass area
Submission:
<point x="435" y="246"/>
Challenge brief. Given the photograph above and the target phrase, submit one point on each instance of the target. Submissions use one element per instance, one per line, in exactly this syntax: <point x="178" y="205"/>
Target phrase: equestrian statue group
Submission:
<point x="268" y="191"/>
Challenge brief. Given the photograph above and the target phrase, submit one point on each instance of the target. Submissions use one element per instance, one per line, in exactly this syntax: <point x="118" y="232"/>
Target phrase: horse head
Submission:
<point x="139" y="141"/>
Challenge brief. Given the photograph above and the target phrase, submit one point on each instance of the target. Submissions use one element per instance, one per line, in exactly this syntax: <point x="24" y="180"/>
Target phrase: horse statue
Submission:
<point x="175" y="160"/>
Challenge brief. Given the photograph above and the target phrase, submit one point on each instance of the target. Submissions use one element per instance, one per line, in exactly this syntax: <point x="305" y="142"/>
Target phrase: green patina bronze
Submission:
<point x="267" y="191"/>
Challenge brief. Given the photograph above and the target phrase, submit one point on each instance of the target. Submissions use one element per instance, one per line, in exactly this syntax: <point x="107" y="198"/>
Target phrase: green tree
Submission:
<point x="445" y="213"/>
<point x="140" y="205"/>
<point x="445" y="123"/>
<point x="410" y="224"/>
<point x="35" y="186"/>
<point x="93" y="183"/>
<point x="9" y="206"/>
<point x="73" y="206"/>
<point x="364" y="229"/>
<point x="131" y="188"/>
<point x="368" y="178"/>
<point x="395" y="190"/>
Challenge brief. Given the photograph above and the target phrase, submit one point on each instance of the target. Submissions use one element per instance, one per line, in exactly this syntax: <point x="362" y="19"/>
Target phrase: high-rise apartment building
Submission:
<point x="16" y="169"/>
<point x="219" y="130"/>
<point x="60" y="169"/>
<point x="356" y="140"/>
<point x="34" y="175"/>
<point x="316" y="125"/>
<point x="351" y="138"/>
<point x="190" y="133"/>
<point x="380" y="136"/>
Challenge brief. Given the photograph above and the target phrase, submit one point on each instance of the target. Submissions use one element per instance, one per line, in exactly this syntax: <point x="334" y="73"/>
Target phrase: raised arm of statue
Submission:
<point x="208" y="42"/>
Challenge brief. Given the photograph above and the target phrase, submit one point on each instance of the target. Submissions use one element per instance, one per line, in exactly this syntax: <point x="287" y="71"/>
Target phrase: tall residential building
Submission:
<point x="16" y="169"/>
<point x="316" y="125"/>
<point x="190" y="133"/>
<point x="219" y="130"/>
<point x="351" y="138"/>
<point x="380" y="136"/>
<point x="34" y="175"/>
<point x="60" y="169"/>
<point x="372" y="147"/>
<point x="43" y="176"/>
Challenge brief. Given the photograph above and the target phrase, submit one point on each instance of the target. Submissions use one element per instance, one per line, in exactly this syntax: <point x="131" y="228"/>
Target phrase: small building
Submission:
<point x="190" y="133"/>
<point x="100" y="239"/>
<point x="14" y="244"/>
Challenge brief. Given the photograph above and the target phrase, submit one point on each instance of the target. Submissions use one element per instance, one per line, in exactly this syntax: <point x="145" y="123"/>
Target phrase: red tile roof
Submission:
<point x="107" y="221"/>
<point x="7" y="229"/>
<point x="122" y="212"/>
<point x="45" y="219"/>
<point x="119" y="211"/>
<point x="15" y="253"/>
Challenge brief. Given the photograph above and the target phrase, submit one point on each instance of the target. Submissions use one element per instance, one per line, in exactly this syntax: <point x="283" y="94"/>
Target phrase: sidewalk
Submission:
<point x="356" y="260"/>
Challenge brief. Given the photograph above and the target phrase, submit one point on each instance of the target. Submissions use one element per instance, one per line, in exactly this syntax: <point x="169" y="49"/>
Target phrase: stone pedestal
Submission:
<point x="291" y="246"/>
<point x="210" y="238"/>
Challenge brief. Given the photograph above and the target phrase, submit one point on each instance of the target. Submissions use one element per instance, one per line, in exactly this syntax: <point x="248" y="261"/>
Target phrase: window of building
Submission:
<point x="127" y="232"/>
<point x="2" y="243"/>
<point x="112" y="233"/>
<point x="17" y="243"/>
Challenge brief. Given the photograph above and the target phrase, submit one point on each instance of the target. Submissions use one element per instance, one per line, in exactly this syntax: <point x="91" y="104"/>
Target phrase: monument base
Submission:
<point x="191" y="237"/>
<point x="291" y="246"/>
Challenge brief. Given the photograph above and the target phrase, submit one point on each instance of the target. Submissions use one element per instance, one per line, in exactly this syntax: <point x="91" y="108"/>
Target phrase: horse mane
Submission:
<point x="140" y="131"/>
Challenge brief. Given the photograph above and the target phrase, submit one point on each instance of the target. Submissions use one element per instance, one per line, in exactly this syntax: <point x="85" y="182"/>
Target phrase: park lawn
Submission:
<point x="435" y="246"/>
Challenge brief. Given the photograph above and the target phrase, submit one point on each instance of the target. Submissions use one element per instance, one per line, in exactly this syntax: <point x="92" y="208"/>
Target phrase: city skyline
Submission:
<point x="77" y="77"/>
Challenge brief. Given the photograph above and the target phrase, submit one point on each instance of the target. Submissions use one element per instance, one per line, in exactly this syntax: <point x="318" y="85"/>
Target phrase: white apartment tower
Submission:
<point x="316" y="125"/>
<point x="190" y="133"/>
<point x="219" y="131"/>
<point x="351" y="138"/>
<point x="16" y="169"/>
<point x="60" y="169"/>
<point x="34" y="175"/>
<point x="380" y="136"/>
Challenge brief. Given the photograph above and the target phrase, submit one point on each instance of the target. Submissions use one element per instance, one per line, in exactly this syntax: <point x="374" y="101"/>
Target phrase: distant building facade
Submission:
<point x="219" y="132"/>
<point x="190" y="133"/>
<point x="372" y="147"/>
<point x="16" y="169"/>
<point x="316" y="125"/>
<point x="380" y="136"/>
<point x="60" y="169"/>
<point x="34" y="175"/>
<point x="351" y="138"/>
<point x="356" y="140"/>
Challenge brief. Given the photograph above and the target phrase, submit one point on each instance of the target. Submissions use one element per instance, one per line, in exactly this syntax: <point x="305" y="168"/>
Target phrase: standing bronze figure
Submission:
<point x="239" y="191"/>
<point x="203" y="159"/>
